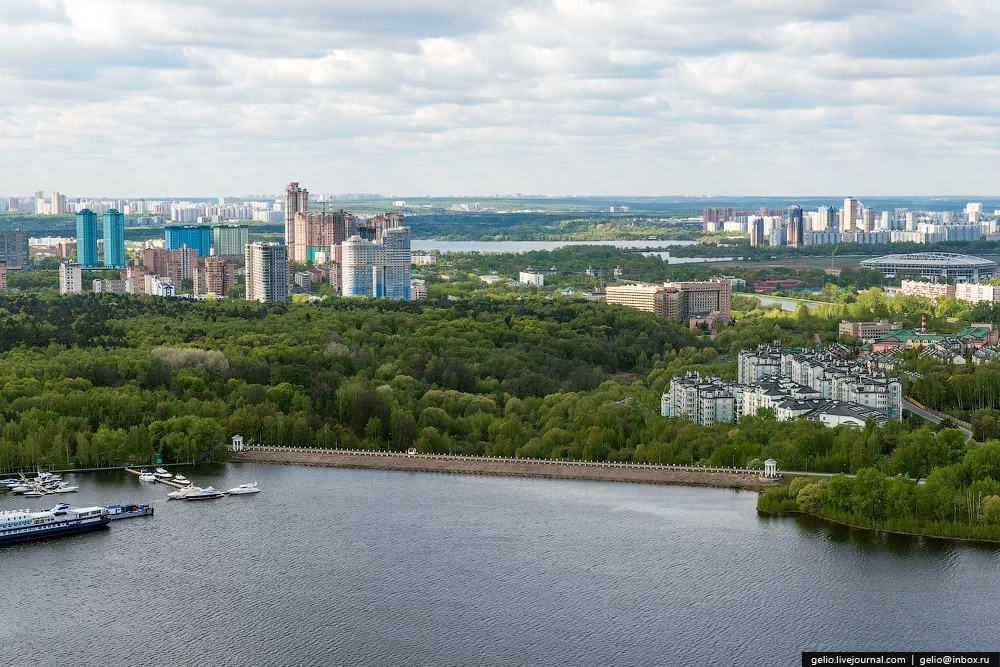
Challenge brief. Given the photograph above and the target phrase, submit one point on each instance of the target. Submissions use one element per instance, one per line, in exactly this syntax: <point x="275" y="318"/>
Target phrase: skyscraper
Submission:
<point x="229" y="239"/>
<point x="848" y="220"/>
<point x="756" y="226"/>
<point x="316" y="232"/>
<point x="114" y="238"/>
<point x="795" y="225"/>
<point x="267" y="271"/>
<point x="86" y="238"/>
<point x="824" y="218"/>
<point x="196" y="237"/>
<point x="296" y="201"/>
<point x="378" y="268"/>
<point x="868" y="219"/>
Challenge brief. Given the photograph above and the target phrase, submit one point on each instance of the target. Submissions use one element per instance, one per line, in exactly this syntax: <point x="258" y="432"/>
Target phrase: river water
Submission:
<point x="357" y="567"/>
<point x="527" y="246"/>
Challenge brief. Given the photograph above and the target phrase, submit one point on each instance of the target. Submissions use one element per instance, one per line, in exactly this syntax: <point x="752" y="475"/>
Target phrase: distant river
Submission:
<point x="364" y="567"/>
<point x="527" y="246"/>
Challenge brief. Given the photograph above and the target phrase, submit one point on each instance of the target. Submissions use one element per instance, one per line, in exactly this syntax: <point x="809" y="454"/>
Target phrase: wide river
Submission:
<point x="357" y="567"/>
<point x="528" y="246"/>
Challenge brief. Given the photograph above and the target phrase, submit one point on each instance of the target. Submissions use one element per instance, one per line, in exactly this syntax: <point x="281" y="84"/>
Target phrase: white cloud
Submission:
<point x="563" y="96"/>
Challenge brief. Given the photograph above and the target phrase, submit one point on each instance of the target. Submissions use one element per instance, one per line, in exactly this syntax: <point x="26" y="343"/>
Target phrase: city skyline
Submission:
<point x="635" y="99"/>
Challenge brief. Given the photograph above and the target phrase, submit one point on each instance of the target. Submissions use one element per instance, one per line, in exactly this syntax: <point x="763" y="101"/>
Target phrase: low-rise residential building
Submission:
<point x="704" y="401"/>
<point x="867" y="331"/>
<point x="928" y="290"/>
<point x="976" y="292"/>
<point x="418" y="290"/>
<point x="973" y="337"/>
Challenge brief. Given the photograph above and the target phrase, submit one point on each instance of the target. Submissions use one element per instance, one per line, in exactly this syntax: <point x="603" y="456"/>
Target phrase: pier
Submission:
<point x="168" y="482"/>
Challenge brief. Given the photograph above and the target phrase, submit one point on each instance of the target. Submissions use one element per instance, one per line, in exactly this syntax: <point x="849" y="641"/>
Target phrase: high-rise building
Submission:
<point x="86" y="238"/>
<point x="709" y="219"/>
<point x="58" y="205"/>
<point x="795" y="225"/>
<point x="197" y="237"/>
<point x="320" y="232"/>
<point x="378" y="268"/>
<point x="14" y="253"/>
<point x="229" y="239"/>
<point x="70" y="278"/>
<point x="756" y="226"/>
<point x="849" y="216"/>
<point x="214" y="276"/>
<point x="40" y="202"/>
<point x="825" y="218"/>
<point x="296" y="201"/>
<point x="114" y="238"/>
<point x="267" y="271"/>
<point x="868" y="219"/>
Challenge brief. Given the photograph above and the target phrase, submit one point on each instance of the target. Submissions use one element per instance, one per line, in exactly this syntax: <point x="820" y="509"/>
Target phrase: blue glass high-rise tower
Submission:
<point x="86" y="238"/>
<point x="197" y="237"/>
<point x="114" y="238"/>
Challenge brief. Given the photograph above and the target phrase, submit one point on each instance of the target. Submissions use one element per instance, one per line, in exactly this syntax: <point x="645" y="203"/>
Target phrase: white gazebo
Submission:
<point x="237" y="445"/>
<point x="770" y="468"/>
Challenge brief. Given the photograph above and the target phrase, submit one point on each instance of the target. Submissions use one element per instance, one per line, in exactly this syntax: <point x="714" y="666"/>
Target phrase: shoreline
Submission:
<point x="510" y="468"/>
<point x="887" y="531"/>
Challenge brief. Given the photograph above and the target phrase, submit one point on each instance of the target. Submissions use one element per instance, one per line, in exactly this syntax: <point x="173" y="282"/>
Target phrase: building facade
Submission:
<point x="229" y="239"/>
<point x="378" y="268"/>
<point x="86" y="238"/>
<point x="215" y="275"/>
<point x="196" y="237"/>
<point x="70" y="278"/>
<point x="267" y="272"/>
<point x="296" y="201"/>
<point x="114" y="239"/>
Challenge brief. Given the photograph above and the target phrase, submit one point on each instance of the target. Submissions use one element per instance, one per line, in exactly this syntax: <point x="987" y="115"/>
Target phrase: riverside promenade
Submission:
<point x="733" y="478"/>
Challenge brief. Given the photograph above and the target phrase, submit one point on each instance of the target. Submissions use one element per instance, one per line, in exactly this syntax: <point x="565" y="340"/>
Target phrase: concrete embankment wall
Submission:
<point x="604" y="472"/>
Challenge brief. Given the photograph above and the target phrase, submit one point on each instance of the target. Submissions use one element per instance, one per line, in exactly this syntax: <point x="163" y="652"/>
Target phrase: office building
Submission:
<point x="197" y="237"/>
<point x="70" y="278"/>
<point x="296" y="201"/>
<point x="266" y="271"/>
<point x="86" y="238"/>
<point x="114" y="238"/>
<point x="229" y="239"/>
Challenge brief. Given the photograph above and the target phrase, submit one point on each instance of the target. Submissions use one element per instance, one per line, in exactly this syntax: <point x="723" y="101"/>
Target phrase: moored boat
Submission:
<point x="182" y="479"/>
<point x="243" y="489"/>
<point x="23" y="525"/>
<point x="146" y="476"/>
<point x="208" y="493"/>
<point x="162" y="474"/>
<point x="129" y="511"/>
<point x="180" y="494"/>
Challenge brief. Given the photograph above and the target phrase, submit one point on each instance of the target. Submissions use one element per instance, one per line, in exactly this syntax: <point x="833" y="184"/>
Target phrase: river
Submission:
<point x="359" y="567"/>
<point x="528" y="246"/>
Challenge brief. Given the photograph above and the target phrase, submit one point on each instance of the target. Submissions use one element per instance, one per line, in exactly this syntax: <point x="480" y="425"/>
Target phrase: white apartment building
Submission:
<point x="704" y="401"/>
<point x="70" y="278"/>
<point x="530" y="277"/>
<point x="267" y="272"/>
<point x="976" y="292"/>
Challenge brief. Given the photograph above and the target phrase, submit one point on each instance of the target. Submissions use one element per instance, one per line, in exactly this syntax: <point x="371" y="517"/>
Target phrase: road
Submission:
<point x="932" y="417"/>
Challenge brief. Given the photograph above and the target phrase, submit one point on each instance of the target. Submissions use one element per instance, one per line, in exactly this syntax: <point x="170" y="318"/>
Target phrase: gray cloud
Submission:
<point x="631" y="96"/>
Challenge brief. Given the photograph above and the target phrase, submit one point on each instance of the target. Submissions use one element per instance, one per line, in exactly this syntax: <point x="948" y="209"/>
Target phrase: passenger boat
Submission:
<point x="128" y="511"/>
<point x="208" y="493"/>
<point x="162" y="474"/>
<point x="24" y="525"/>
<point x="243" y="489"/>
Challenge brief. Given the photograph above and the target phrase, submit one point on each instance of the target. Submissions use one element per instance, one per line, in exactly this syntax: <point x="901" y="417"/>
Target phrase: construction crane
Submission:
<point x="832" y="255"/>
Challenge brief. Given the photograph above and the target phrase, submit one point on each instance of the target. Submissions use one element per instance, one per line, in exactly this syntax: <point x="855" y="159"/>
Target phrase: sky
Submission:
<point x="148" y="98"/>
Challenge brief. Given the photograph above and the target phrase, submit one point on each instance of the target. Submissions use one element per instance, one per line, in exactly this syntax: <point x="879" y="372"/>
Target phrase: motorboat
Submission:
<point x="182" y="479"/>
<point x="162" y="474"/>
<point x="181" y="494"/>
<point x="208" y="493"/>
<point x="34" y="494"/>
<point x="243" y="489"/>
<point x="146" y="476"/>
<point x="65" y="488"/>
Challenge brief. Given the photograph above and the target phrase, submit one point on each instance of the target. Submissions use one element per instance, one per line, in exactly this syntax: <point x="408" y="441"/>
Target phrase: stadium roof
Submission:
<point x="939" y="260"/>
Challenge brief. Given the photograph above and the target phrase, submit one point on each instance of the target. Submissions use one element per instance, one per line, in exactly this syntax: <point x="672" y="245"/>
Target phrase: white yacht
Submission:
<point x="181" y="494"/>
<point x="146" y="476"/>
<point x="65" y="488"/>
<point x="243" y="489"/>
<point x="162" y="474"/>
<point x="182" y="479"/>
<point x="207" y="493"/>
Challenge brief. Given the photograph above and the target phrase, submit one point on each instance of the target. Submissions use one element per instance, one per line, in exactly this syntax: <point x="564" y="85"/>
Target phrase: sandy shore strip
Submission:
<point x="602" y="472"/>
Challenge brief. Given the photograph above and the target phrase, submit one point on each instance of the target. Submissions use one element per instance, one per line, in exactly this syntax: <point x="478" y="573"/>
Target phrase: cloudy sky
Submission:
<point x="640" y="97"/>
